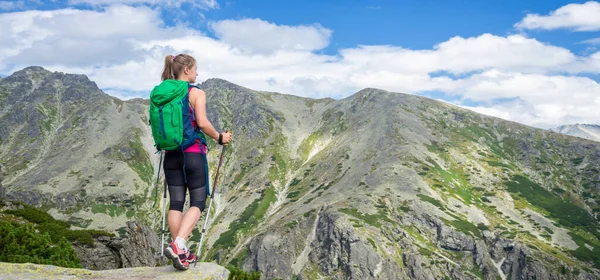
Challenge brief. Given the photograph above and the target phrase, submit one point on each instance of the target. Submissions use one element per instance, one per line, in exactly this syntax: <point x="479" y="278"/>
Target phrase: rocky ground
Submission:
<point x="203" y="271"/>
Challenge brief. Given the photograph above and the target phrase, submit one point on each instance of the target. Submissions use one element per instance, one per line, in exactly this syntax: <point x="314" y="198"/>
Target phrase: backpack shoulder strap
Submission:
<point x="190" y="86"/>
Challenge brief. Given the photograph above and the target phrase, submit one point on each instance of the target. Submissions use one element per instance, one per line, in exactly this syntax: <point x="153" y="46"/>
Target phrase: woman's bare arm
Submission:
<point x="198" y="102"/>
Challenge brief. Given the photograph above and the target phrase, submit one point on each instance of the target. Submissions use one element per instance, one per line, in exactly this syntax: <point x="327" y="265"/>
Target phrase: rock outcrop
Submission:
<point x="339" y="251"/>
<point x="203" y="271"/>
<point x="137" y="249"/>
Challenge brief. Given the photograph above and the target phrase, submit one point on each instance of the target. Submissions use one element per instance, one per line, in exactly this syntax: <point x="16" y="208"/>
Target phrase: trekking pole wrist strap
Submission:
<point x="220" y="139"/>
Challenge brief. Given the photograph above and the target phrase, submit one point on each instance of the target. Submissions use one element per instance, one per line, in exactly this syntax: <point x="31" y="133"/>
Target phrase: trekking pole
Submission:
<point x="157" y="179"/>
<point x="212" y="195"/>
<point x="156" y="194"/>
<point x="156" y="190"/>
<point x="162" y="243"/>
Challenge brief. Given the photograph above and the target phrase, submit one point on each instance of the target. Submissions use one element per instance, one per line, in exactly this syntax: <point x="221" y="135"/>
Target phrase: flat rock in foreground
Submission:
<point x="204" y="271"/>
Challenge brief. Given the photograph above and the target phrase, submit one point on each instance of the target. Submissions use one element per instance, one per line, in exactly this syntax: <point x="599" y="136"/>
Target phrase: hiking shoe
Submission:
<point x="178" y="256"/>
<point x="191" y="258"/>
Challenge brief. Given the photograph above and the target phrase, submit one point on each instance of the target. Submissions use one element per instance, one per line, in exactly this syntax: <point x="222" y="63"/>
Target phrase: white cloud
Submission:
<point x="513" y="110"/>
<point x="258" y="36"/>
<point x="541" y="100"/>
<point x="463" y="55"/>
<point x="11" y="5"/>
<point x="202" y="4"/>
<point x="595" y="41"/>
<point x="543" y="81"/>
<point x="80" y="37"/>
<point x="580" y="17"/>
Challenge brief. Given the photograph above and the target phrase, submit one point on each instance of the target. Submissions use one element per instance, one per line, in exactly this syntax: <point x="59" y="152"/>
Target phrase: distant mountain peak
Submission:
<point x="37" y="72"/>
<point x="212" y="82"/>
<point x="43" y="83"/>
<point x="35" y="69"/>
<point x="29" y="72"/>
<point x="582" y="130"/>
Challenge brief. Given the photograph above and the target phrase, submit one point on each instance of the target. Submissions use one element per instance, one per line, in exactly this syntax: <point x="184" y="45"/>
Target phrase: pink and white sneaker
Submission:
<point x="178" y="256"/>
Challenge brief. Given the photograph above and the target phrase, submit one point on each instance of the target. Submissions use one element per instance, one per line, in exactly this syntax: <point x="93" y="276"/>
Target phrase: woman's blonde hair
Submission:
<point x="174" y="65"/>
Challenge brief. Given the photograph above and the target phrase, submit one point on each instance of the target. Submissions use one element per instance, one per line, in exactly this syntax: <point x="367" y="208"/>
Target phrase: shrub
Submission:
<point x="22" y="244"/>
<point x="236" y="273"/>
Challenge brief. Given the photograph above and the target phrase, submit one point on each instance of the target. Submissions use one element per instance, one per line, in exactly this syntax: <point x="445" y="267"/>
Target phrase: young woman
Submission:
<point x="183" y="67"/>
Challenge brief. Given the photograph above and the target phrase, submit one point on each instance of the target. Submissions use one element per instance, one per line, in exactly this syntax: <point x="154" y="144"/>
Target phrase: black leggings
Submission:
<point x="195" y="174"/>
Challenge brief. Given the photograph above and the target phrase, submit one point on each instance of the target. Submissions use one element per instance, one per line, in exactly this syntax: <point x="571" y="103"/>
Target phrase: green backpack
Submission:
<point x="171" y="121"/>
<point x="170" y="116"/>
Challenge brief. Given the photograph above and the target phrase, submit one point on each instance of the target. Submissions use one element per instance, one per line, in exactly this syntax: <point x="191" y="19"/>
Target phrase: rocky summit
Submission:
<point x="378" y="185"/>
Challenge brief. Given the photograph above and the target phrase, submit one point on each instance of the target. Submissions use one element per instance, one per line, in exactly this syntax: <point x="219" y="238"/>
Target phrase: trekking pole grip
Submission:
<point x="218" y="171"/>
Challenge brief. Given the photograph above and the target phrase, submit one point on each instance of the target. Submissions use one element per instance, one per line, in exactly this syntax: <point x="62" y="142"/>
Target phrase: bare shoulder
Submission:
<point x="196" y="91"/>
<point x="196" y="94"/>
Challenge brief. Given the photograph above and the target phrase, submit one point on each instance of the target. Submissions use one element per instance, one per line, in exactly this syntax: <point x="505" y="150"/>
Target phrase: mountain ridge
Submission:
<point x="375" y="185"/>
<point x="581" y="130"/>
<point x="215" y="80"/>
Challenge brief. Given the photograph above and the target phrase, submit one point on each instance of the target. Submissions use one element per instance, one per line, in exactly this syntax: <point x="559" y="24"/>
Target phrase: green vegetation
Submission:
<point x="371" y="219"/>
<point x="477" y="272"/>
<point x="337" y="119"/>
<point x="251" y="216"/>
<point x="432" y="200"/>
<point x="49" y="112"/>
<point x="293" y="194"/>
<point x="455" y="180"/>
<point x="280" y="158"/>
<point x="111" y="210"/>
<point x="567" y="213"/>
<point x="244" y="168"/>
<point x="295" y="182"/>
<point x="464" y="226"/>
<point x="35" y="215"/>
<point x="465" y="194"/>
<point x="291" y="224"/>
<point x="140" y="161"/>
<point x="239" y="258"/>
<point x="372" y="242"/>
<point x="424" y="251"/>
<point x="42" y="239"/>
<point x="459" y="223"/>
<point x="434" y="148"/>
<point x="236" y="273"/>
<point x="577" y="161"/>
<point x="404" y="207"/>
<point x="307" y="145"/>
<point x="584" y="253"/>
<point x="20" y="243"/>
<point x="55" y="228"/>
<point x="132" y="151"/>
<point x="498" y="164"/>
<point x="548" y="230"/>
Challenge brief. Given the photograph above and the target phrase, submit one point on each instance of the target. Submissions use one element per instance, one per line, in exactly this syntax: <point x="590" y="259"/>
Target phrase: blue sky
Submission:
<point x="412" y="24"/>
<point x="535" y="62"/>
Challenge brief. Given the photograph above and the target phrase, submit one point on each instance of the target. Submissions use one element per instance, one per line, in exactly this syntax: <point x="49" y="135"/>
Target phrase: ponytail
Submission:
<point x="174" y="65"/>
<point x="167" y="73"/>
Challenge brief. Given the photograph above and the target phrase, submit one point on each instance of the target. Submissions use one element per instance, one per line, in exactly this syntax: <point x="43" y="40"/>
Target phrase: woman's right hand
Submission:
<point x="226" y="137"/>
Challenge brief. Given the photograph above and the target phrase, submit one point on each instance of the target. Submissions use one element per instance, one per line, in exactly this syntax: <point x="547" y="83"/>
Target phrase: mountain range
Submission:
<point x="378" y="185"/>
<point x="587" y="131"/>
